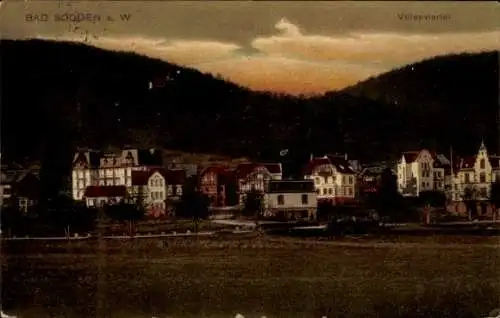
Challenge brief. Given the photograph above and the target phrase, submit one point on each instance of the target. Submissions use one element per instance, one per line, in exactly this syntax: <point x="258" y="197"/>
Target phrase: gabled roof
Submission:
<point x="341" y="164"/>
<point x="314" y="163"/>
<point x="216" y="169"/>
<point x="244" y="169"/>
<point x="105" y="191"/>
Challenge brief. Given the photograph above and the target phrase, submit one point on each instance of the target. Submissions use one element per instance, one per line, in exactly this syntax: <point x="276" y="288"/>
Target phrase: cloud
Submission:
<point x="294" y="61"/>
<point x="384" y="48"/>
<point x="177" y="51"/>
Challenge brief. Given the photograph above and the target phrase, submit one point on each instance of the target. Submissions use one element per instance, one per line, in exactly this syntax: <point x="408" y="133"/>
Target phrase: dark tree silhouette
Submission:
<point x="253" y="204"/>
<point x="12" y="220"/>
<point x="495" y="198"/>
<point x="432" y="198"/>
<point x="126" y="212"/>
<point x="193" y="203"/>
<point x="470" y="199"/>
<point x="325" y="210"/>
<point x="73" y="217"/>
<point x="389" y="201"/>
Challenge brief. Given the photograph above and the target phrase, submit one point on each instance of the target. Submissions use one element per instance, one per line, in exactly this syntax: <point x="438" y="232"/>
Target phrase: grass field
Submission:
<point x="256" y="276"/>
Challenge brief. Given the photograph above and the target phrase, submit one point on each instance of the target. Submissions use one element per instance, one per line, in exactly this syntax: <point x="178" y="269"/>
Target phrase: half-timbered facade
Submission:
<point x="256" y="176"/>
<point x="334" y="179"/>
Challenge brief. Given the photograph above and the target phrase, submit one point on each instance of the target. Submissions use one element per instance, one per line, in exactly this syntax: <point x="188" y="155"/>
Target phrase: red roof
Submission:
<point x="214" y="169"/>
<point x="315" y="162"/>
<point x="105" y="191"/>
<point x="176" y="176"/>
<point x="410" y="156"/>
<point x="142" y="177"/>
<point x="339" y="163"/>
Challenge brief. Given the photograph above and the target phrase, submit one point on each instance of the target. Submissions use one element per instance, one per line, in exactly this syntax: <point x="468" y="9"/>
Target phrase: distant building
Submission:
<point x="19" y="187"/>
<point x="212" y="183"/>
<point x="291" y="199"/>
<point x="149" y="189"/>
<point x="256" y="176"/>
<point x="334" y="178"/>
<point x="423" y="170"/>
<point x="477" y="173"/>
<point x="96" y="168"/>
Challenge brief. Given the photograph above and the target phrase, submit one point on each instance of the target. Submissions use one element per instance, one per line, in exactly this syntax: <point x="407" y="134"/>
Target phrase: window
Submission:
<point x="316" y="180"/>
<point x="330" y="191"/>
<point x="482" y="177"/>
<point x="324" y="191"/>
<point x="350" y="192"/>
<point x="483" y="192"/>
<point x="482" y="164"/>
<point x="351" y="179"/>
<point x="467" y="178"/>
<point x="305" y="199"/>
<point x="169" y="190"/>
<point x="343" y="180"/>
<point x="281" y="199"/>
<point x="423" y="184"/>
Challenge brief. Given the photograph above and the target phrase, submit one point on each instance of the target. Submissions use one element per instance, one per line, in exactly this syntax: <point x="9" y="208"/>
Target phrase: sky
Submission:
<point x="293" y="47"/>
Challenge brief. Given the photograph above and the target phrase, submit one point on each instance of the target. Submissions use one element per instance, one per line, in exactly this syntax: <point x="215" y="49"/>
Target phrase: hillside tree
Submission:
<point x="389" y="201"/>
<point x="470" y="199"/>
<point x="495" y="198"/>
<point x="253" y="204"/>
<point x="193" y="204"/>
<point x="125" y="212"/>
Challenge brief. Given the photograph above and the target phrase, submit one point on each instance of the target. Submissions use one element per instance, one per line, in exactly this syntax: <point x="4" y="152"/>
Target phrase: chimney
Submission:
<point x="311" y="157"/>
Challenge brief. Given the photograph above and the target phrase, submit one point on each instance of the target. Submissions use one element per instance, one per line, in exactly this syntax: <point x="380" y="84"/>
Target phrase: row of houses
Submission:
<point x="99" y="178"/>
<point x="423" y="170"/>
<point x="102" y="177"/>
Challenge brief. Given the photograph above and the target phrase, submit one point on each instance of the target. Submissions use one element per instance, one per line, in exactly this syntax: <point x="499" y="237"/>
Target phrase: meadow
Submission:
<point x="254" y="276"/>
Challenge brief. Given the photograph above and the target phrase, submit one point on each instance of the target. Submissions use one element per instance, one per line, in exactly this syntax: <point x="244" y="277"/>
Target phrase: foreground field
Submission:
<point x="255" y="276"/>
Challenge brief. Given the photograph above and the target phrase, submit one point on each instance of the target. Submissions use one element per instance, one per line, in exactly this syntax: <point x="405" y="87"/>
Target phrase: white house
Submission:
<point x="477" y="173"/>
<point x="291" y="199"/>
<point x="333" y="177"/>
<point x="92" y="168"/>
<point x="151" y="188"/>
<point x="419" y="171"/>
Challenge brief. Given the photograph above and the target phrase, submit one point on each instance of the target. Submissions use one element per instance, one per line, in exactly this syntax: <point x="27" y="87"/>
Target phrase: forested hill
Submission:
<point x="60" y="95"/>
<point x="453" y="98"/>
